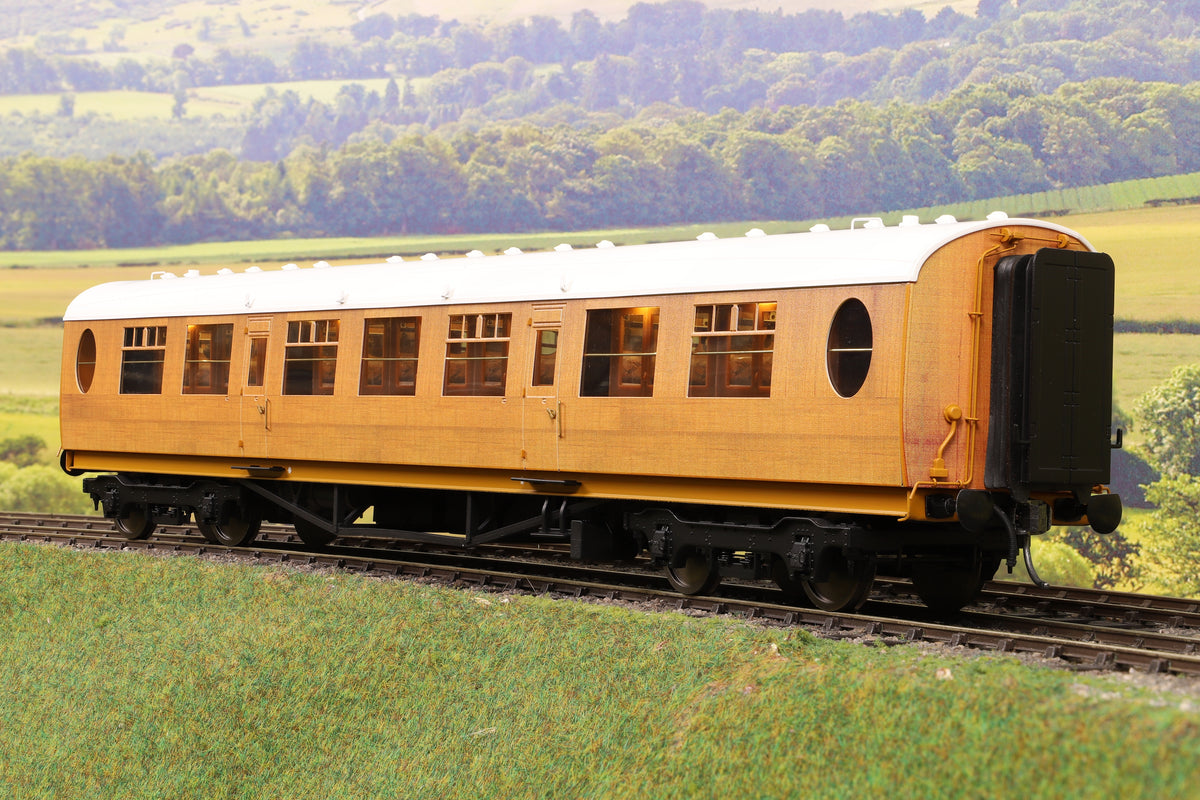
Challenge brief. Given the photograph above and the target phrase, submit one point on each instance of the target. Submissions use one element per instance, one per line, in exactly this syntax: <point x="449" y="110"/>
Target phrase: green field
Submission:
<point x="204" y="101"/>
<point x="276" y="26"/>
<point x="1155" y="251"/>
<point x="1141" y="361"/>
<point x="305" y="251"/>
<point x="134" y="676"/>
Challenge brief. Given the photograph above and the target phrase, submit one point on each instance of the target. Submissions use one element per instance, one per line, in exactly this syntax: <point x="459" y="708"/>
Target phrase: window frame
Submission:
<point x="397" y="361"/>
<point x="143" y="359"/>
<point x="615" y="349"/>
<point x="728" y="343"/>
<point x="848" y="365"/>
<point x="85" y="361"/>
<point x="477" y="351"/>
<point x="313" y="343"/>
<point x="206" y="369"/>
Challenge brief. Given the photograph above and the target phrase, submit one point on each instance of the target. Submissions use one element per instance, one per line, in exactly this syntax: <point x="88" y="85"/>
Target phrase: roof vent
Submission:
<point x="910" y="221"/>
<point x="707" y="236"/>
<point x="604" y="245"/>
<point x="395" y="260"/>
<point x="475" y="254"/>
<point x="997" y="216"/>
<point x="946" y="219"/>
<point x="755" y="233"/>
<point x="820" y="227"/>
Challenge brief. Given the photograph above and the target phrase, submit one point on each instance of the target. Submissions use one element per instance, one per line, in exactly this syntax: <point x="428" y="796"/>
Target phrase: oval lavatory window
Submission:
<point x="85" y="361"/>
<point x="848" y="354"/>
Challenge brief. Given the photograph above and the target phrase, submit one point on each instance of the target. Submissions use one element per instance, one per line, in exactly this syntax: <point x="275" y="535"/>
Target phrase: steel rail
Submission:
<point x="1107" y="648"/>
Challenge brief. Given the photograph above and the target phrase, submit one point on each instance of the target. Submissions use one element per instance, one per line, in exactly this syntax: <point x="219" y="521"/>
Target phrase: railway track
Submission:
<point x="1085" y="629"/>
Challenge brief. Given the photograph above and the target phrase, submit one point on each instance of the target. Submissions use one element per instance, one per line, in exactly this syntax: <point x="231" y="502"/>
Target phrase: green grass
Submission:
<point x="45" y="426"/>
<point x="1142" y="361"/>
<point x="1155" y="253"/>
<point x="306" y="251"/>
<point x="31" y="360"/>
<point x="1136" y="194"/>
<point x="131" y="676"/>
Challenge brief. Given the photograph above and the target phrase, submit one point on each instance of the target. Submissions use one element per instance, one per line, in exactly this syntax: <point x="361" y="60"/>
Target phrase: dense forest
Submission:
<point x="675" y="113"/>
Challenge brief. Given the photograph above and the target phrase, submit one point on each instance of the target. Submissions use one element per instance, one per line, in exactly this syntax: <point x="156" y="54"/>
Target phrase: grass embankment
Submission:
<point x="132" y="676"/>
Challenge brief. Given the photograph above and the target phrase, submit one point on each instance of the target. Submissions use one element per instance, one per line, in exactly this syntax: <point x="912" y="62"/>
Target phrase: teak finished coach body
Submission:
<point x="808" y="407"/>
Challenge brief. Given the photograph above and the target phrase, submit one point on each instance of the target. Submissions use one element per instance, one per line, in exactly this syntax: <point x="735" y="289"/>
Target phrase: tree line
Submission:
<point x="451" y="74"/>
<point x="419" y="45"/>
<point x="716" y="52"/>
<point x="675" y="114"/>
<point x="665" y="166"/>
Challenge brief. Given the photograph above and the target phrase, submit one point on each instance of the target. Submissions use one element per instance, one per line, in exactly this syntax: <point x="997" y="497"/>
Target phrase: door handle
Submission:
<point x="265" y="410"/>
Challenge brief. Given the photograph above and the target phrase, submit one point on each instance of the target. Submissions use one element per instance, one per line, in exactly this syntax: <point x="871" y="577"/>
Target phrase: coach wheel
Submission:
<point x="312" y="535"/>
<point x="946" y="588"/>
<point x="693" y="571"/>
<point x="235" y="531"/>
<point x="135" y="521"/>
<point x="791" y="586"/>
<point x="845" y="586"/>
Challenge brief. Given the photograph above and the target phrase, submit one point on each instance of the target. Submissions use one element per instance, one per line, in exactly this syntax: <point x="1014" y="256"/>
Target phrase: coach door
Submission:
<point x="543" y="420"/>
<point x="256" y="405"/>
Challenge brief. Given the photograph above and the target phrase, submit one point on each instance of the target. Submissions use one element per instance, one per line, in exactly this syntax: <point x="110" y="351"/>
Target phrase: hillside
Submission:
<point x="675" y="113"/>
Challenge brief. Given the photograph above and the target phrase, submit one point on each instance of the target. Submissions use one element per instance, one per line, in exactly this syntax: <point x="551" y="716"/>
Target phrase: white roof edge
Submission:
<point x="844" y="257"/>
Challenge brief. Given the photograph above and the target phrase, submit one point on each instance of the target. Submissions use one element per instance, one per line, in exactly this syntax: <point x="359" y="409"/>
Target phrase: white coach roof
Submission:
<point x="868" y="255"/>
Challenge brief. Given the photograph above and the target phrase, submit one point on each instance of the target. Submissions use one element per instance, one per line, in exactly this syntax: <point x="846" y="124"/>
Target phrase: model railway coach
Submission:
<point x="809" y="407"/>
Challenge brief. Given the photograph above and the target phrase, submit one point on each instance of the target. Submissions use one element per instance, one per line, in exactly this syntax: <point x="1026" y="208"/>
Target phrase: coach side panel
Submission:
<point x="296" y="388"/>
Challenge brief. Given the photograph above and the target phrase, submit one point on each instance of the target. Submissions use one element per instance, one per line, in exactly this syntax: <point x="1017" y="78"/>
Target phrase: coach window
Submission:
<point x="389" y="358"/>
<point x="256" y="362"/>
<point x="545" y="357"/>
<point x="310" y="359"/>
<point x="619" y="350"/>
<point x="206" y="364"/>
<point x="848" y="356"/>
<point x="85" y="360"/>
<point x="732" y="350"/>
<point x="477" y="354"/>
<point x="142" y="356"/>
